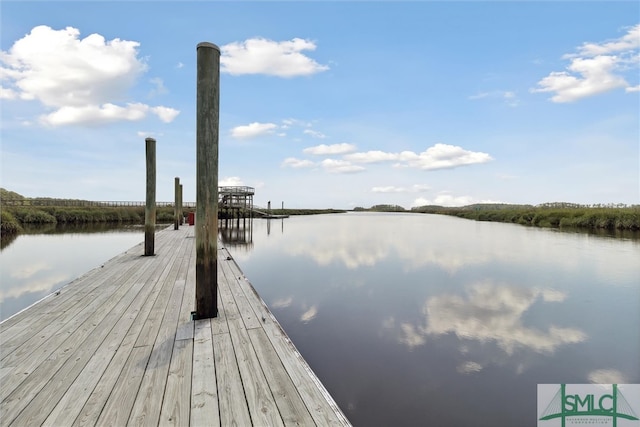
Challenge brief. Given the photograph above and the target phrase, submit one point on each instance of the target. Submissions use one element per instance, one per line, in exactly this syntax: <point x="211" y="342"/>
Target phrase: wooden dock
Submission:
<point x="117" y="347"/>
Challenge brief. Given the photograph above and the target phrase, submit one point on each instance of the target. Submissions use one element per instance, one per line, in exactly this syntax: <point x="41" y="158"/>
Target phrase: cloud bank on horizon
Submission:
<point x="71" y="81"/>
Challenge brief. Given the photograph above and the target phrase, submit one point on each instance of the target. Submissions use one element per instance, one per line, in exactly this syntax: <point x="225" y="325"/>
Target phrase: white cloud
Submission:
<point x="263" y="56"/>
<point x="314" y="133"/>
<point x="252" y="130"/>
<point x="375" y="156"/>
<point x="416" y="188"/>
<point x="595" y="69"/>
<point x="95" y="114"/>
<point x="6" y="93"/>
<point x="446" y="199"/>
<point x="165" y="114"/>
<point x="159" y="87"/>
<point x="444" y="156"/>
<point x="179" y="65"/>
<point x="325" y="150"/>
<point x="340" y="166"/>
<point x="629" y="41"/>
<point x="479" y="95"/>
<point x="439" y="156"/>
<point x="633" y="89"/>
<point x="231" y="181"/>
<point x="78" y="78"/>
<point x="146" y="134"/>
<point x="107" y="113"/>
<point x="508" y="97"/>
<point x="292" y="162"/>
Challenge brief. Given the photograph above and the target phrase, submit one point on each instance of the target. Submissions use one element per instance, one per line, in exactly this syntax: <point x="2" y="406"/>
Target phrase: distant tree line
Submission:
<point x="611" y="216"/>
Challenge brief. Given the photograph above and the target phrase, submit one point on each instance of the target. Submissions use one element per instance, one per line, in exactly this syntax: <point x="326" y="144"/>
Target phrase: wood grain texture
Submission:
<point x="118" y="347"/>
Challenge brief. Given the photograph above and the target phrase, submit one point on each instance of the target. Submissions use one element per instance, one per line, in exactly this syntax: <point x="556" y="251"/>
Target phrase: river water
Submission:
<point x="412" y="319"/>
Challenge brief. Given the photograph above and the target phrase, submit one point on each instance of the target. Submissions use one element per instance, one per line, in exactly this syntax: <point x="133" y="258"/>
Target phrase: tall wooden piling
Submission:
<point x="207" y="123"/>
<point x="150" y="207"/>
<point x="176" y="203"/>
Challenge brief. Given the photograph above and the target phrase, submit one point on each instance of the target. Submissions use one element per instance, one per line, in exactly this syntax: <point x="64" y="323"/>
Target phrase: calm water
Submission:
<point x="411" y="319"/>
<point x="415" y="319"/>
<point x="32" y="266"/>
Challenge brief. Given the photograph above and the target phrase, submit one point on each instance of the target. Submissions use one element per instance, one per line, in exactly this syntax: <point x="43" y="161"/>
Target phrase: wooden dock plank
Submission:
<point x="313" y="392"/>
<point x="292" y="409"/>
<point x="204" y="392"/>
<point x="121" y="315"/>
<point x="231" y="398"/>
<point x="118" y="343"/>
<point x="93" y="407"/>
<point x="65" y="308"/>
<point x="148" y="403"/>
<point x="233" y="277"/>
<point x="176" y="404"/>
<point x="185" y="323"/>
<point x="117" y="409"/>
<point x="53" y="304"/>
<point x="118" y="347"/>
<point x="260" y="401"/>
<point x="86" y="324"/>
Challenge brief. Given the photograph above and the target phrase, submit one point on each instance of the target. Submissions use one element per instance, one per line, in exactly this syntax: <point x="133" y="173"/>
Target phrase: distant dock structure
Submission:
<point x="236" y="201"/>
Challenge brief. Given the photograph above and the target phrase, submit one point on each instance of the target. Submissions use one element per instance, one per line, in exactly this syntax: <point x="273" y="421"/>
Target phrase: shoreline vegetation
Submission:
<point x="549" y="215"/>
<point x="23" y="211"/>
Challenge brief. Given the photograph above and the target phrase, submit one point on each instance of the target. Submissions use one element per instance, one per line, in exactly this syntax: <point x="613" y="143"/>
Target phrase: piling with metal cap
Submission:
<point x="150" y="207"/>
<point x="207" y="124"/>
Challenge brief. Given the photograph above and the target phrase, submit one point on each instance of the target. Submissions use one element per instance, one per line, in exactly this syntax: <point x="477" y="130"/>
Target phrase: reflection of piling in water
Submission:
<point x="237" y="232"/>
<point x="150" y="207"/>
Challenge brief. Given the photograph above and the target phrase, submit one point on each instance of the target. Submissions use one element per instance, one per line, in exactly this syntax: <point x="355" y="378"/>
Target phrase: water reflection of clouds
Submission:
<point x="32" y="278"/>
<point x="469" y="367"/>
<point x="340" y="248"/>
<point x="36" y="286"/>
<point x="309" y="315"/>
<point x="420" y="240"/>
<point x="490" y="313"/>
<point x="606" y="376"/>
<point x="30" y="270"/>
<point x="282" y="302"/>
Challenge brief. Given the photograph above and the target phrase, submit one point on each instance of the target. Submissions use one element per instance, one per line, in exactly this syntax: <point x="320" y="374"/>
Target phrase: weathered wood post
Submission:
<point x="180" y="211"/>
<point x="207" y="123"/>
<point x="176" y="203"/>
<point x="150" y="207"/>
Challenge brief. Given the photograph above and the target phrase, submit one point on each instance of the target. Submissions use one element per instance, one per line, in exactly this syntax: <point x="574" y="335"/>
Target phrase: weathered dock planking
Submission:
<point x="117" y="346"/>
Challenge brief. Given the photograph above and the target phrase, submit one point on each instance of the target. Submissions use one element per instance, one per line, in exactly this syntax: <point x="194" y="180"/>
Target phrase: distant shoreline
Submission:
<point x="548" y="215"/>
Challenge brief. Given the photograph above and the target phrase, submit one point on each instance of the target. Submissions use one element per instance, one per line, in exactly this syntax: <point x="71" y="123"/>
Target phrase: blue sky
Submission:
<point x="327" y="104"/>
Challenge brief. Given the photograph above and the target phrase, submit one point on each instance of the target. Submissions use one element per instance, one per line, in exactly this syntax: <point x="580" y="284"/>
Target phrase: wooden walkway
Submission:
<point x="117" y="347"/>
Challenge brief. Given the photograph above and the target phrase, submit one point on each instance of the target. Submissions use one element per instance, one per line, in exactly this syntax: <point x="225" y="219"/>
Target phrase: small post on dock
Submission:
<point x="150" y="207"/>
<point x="176" y="203"/>
<point x="180" y="211"/>
<point x="207" y="124"/>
